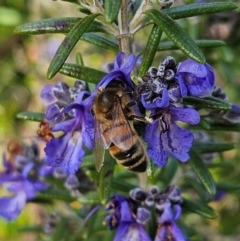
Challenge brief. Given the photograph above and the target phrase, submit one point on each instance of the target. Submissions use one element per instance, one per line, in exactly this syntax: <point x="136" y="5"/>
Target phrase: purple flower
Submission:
<point x="121" y="71"/>
<point x="22" y="178"/>
<point x="198" y="78"/>
<point x="68" y="110"/>
<point x="129" y="227"/>
<point x="165" y="138"/>
<point x="168" y="205"/>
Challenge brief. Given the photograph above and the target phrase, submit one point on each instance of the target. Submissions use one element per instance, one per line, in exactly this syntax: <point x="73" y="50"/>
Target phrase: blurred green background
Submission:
<point x="23" y="65"/>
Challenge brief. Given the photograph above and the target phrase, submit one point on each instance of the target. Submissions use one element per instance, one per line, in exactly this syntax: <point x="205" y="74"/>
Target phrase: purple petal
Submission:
<point x="188" y="115"/>
<point x="177" y="210"/>
<point x="169" y="228"/>
<point x="65" y="152"/>
<point x="167" y="214"/>
<point x="155" y="147"/>
<point x="192" y="67"/>
<point x="10" y="207"/>
<point x="118" y="60"/>
<point x="47" y="95"/>
<point x="177" y="142"/>
<point x="198" y="78"/>
<point x="126" y="214"/>
<point x="183" y="87"/>
<point x="158" y="102"/>
<point x="131" y="232"/>
<point x="129" y="64"/>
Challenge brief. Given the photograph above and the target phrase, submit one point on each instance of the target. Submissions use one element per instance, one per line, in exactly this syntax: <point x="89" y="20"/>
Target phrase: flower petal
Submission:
<point x="131" y="232"/>
<point x="10" y="207"/>
<point x="155" y="147"/>
<point x="188" y="115"/>
<point x="65" y="152"/>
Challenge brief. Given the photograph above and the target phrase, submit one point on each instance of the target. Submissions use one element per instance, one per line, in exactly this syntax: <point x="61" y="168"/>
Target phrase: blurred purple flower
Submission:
<point x="129" y="227"/>
<point x="165" y="138"/>
<point x="68" y="110"/>
<point x="22" y="177"/>
<point x="198" y="78"/>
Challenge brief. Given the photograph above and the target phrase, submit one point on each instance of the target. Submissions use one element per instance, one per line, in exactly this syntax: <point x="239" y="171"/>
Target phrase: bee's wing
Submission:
<point x="100" y="144"/>
<point x="122" y="133"/>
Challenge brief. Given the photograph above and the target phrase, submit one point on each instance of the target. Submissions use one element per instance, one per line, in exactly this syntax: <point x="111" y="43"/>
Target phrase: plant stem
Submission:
<point x="124" y="37"/>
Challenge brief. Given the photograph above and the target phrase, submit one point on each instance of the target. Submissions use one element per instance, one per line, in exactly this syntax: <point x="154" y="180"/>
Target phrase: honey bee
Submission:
<point x="45" y="131"/>
<point x="113" y="111"/>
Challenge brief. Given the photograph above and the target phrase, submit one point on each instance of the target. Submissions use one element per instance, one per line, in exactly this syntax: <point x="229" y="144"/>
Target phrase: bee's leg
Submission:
<point x="144" y="119"/>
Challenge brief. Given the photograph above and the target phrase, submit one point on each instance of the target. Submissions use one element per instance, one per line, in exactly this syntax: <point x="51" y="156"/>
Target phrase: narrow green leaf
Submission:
<point x="209" y="147"/>
<point x="56" y="25"/>
<point x="105" y="178"/>
<point x="191" y="10"/>
<point x="207" y="103"/>
<point x="177" y="35"/>
<point x="82" y="72"/>
<point x="150" y="49"/>
<point x="59" y="194"/>
<point x="79" y="59"/>
<point x="121" y="185"/>
<point x="100" y="41"/>
<point x="60" y="231"/>
<point x="200" y="190"/>
<point x="228" y="187"/>
<point x="200" y="43"/>
<point x="199" y="207"/>
<point x="167" y="173"/>
<point x="111" y="10"/>
<point x="202" y="172"/>
<point x="68" y="44"/>
<point x="33" y="116"/>
<point x="221" y="127"/>
<point x="89" y="198"/>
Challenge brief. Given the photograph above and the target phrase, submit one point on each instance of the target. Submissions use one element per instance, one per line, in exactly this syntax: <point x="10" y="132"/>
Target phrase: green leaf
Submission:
<point x="59" y="194"/>
<point x="100" y="41"/>
<point x="68" y="44"/>
<point x="79" y="59"/>
<point x="89" y="198"/>
<point x="167" y="173"/>
<point x="200" y="43"/>
<point x="120" y="185"/>
<point x="111" y="10"/>
<point x="228" y="187"/>
<point x="191" y="10"/>
<point x="220" y="127"/>
<point x="56" y="25"/>
<point x="208" y="103"/>
<point x="209" y="147"/>
<point x="82" y="72"/>
<point x="33" y="116"/>
<point x="202" y="172"/>
<point x="105" y="178"/>
<point x="177" y="35"/>
<point x="212" y="126"/>
<point x="150" y="49"/>
<point x="190" y="182"/>
<point x="199" y="207"/>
